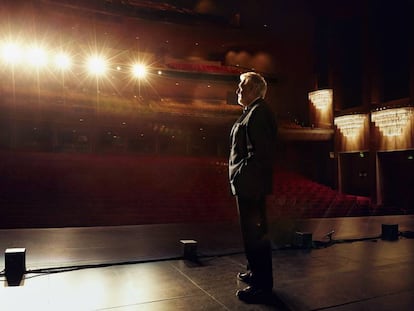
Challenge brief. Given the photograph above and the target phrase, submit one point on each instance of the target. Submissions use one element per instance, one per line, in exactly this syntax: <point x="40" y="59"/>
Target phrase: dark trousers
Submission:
<point x="253" y="223"/>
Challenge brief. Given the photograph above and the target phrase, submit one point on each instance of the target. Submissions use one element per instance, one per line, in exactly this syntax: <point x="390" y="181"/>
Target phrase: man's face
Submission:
<point x="244" y="93"/>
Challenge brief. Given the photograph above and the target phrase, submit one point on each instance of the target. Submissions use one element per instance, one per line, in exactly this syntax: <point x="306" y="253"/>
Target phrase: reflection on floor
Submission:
<point x="141" y="267"/>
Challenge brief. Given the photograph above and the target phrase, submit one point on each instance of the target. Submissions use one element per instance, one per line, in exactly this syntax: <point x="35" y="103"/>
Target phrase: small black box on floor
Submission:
<point x="389" y="232"/>
<point x="189" y="249"/>
<point x="303" y="240"/>
<point x="15" y="265"/>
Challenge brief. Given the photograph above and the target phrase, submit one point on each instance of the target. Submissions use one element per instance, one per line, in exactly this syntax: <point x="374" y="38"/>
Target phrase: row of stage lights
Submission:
<point x="37" y="57"/>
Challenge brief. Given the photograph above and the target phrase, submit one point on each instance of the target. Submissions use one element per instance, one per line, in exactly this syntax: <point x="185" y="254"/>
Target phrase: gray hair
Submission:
<point x="258" y="82"/>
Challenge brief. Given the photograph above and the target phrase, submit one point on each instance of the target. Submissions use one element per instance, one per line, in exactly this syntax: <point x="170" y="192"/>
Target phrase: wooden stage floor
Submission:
<point x="141" y="268"/>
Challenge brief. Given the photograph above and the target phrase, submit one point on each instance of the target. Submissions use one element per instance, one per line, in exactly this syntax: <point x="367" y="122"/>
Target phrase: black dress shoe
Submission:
<point x="254" y="295"/>
<point x="245" y="277"/>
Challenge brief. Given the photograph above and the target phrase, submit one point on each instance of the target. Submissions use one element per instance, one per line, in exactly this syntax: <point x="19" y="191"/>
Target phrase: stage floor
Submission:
<point x="141" y="268"/>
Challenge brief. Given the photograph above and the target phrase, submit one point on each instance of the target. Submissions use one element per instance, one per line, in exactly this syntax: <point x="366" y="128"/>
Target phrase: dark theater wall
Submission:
<point x="397" y="179"/>
<point x="355" y="173"/>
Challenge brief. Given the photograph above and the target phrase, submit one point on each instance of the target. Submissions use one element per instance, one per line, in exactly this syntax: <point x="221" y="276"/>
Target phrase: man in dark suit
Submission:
<point x="252" y="140"/>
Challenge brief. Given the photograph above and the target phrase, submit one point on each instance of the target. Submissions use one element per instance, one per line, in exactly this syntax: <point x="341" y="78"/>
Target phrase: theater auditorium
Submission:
<point x="115" y="118"/>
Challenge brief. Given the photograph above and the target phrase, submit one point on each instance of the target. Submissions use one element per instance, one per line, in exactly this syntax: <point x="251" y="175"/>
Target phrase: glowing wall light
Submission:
<point x="350" y="125"/>
<point x="321" y="99"/>
<point x="392" y="122"/>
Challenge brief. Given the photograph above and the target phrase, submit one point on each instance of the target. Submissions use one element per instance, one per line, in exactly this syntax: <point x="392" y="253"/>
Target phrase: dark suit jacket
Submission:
<point x="252" y="147"/>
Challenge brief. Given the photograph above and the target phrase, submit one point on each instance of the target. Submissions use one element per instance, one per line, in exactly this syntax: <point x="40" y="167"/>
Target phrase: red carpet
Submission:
<point x="62" y="189"/>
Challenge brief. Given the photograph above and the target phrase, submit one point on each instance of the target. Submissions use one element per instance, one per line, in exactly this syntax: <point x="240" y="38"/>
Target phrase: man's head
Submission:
<point x="252" y="85"/>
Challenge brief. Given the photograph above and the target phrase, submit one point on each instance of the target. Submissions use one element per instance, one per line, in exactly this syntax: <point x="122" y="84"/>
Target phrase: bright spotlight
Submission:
<point x="62" y="61"/>
<point x="36" y="56"/>
<point x="139" y="71"/>
<point x="11" y="53"/>
<point x="97" y="65"/>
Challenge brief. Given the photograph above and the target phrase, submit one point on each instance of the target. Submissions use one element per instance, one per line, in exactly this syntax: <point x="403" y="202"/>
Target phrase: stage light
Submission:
<point x="62" y="61"/>
<point x="389" y="232"/>
<point x="15" y="265"/>
<point x="11" y="53"/>
<point x="189" y="249"/>
<point x="303" y="240"/>
<point x="97" y="65"/>
<point x="139" y="71"/>
<point x="36" y="56"/>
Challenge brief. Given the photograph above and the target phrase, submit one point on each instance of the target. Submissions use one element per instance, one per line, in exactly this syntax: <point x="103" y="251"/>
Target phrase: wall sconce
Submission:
<point x="321" y="99"/>
<point x="350" y="125"/>
<point x="392" y="122"/>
